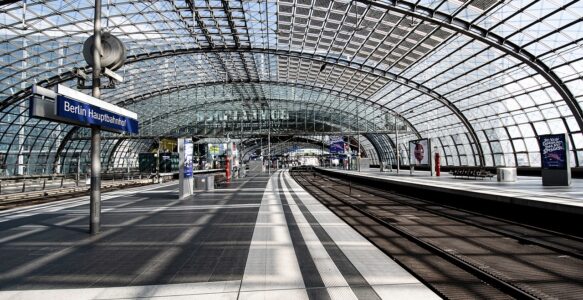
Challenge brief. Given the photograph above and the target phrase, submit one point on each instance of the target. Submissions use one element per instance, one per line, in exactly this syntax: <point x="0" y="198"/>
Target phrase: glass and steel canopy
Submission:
<point x="481" y="78"/>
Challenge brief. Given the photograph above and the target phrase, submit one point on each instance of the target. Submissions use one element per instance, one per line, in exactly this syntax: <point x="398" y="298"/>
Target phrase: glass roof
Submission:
<point x="481" y="78"/>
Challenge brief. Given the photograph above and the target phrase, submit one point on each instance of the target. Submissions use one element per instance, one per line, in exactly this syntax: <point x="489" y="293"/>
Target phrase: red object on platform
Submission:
<point x="228" y="169"/>
<point x="437" y="165"/>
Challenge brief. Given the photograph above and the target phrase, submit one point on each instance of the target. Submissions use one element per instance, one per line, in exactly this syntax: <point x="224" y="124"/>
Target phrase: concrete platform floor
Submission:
<point x="527" y="190"/>
<point x="259" y="238"/>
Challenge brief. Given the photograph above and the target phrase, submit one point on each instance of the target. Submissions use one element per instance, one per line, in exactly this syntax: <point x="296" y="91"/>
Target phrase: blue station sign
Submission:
<point x="72" y="107"/>
<point x="81" y="113"/>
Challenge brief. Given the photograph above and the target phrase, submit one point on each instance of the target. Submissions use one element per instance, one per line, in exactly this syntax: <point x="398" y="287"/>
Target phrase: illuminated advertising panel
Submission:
<point x="336" y="145"/>
<point x="553" y="151"/>
<point x="419" y="152"/>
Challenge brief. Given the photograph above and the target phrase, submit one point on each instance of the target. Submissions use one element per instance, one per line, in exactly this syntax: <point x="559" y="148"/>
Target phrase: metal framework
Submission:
<point x="251" y="146"/>
<point x="482" y="79"/>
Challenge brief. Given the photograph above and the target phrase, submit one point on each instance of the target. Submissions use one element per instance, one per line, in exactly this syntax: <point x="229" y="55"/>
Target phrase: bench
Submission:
<point x="471" y="172"/>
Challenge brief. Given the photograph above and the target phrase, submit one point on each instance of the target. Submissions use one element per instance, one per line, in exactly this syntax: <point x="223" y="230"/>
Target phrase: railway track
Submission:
<point x="458" y="253"/>
<point x="37" y="197"/>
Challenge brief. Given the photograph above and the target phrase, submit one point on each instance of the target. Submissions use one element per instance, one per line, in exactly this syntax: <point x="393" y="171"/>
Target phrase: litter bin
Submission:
<point x="506" y="174"/>
<point x="204" y="182"/>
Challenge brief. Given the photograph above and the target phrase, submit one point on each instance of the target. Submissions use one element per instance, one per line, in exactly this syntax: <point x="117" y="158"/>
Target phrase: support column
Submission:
<point x="95" y="201"/>
<point x="269" y="142"/>
<point x="358" y="137"/>
<point x="397" y="154"/>
<point x="186" y="181"/>
<point x="322" y="159"/>
<point x="158" y="160"/>
<point x="95" y="198"/>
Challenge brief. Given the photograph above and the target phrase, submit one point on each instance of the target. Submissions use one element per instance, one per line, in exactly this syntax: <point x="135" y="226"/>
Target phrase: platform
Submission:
<point x="527" y="191"/>
<point x="259" y="238"/>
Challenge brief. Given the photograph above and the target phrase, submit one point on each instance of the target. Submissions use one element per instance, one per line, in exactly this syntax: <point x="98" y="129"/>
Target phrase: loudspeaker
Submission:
<point x="114" y="51"/>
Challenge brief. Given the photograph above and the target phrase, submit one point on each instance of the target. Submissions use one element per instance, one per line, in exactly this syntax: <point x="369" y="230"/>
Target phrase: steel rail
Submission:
<point x="457" y="261"/>
<point x="469" y="222"/>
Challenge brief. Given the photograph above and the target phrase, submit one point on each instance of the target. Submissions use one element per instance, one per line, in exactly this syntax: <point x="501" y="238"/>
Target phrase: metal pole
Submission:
<point x="158" y="161"/>
<point x="78" y="176"/>
<point x="349" y="154"/>
<point x="128" y="165"/>
<point x="95" y="200"/>
<point x="397" y="144"/>
<point x="358" y="137"/>
<point x="269" y="142"/>
<point x="322" y="152"/>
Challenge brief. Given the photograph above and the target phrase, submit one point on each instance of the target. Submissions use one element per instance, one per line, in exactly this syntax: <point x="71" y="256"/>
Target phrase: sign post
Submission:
<point x="555" y="160"/>
<point x="66" y="105"/>
<point x="95" y="198"/>
<point x="69" y="106"/>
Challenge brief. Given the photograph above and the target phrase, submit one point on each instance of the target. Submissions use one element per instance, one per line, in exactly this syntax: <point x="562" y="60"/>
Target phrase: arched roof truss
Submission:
<point x="483" y="79"/>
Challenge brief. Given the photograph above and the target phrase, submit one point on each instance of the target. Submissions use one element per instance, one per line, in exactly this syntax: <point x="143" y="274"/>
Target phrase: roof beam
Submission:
<point x="6" y="2"/>
<point x="232" y="27"/>
<point x="196" y="18"/>
<point x="295" y="84"/>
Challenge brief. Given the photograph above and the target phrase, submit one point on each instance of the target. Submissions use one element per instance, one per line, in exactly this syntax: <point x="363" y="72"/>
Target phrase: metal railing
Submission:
<point x="43" y="182"/>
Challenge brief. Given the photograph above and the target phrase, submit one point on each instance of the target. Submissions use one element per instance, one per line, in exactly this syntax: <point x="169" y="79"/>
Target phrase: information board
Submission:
<point x="553" y="150"/>
<point x="188" y="151"/>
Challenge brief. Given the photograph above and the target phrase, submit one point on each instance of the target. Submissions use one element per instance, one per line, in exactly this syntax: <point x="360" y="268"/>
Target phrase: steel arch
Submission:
<point x="332" y="60"/>
<point x="488" y="37"/>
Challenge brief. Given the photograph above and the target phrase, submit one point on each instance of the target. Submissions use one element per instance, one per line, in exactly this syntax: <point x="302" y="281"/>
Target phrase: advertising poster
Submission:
<point x="188" y="151"/>
<point x="553" y="151"/>
<point x="214" y="149"/>
<point x="336" y="145"/>
<point x="419" y="152"/>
